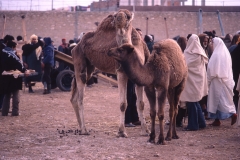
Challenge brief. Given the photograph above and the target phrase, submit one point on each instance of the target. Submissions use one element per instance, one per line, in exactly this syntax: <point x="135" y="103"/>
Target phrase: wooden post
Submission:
<point x="165" y="20"/>
<point x="147" y="26"/>
<point x="24" y="28"/>
<point x="4" y="24"/>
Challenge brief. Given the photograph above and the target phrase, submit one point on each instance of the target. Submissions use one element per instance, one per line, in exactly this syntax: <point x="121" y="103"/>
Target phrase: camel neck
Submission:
<point x="138" y="73"/>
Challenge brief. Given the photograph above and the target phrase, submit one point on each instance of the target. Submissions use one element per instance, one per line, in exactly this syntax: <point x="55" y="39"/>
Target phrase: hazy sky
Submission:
<point x="47" y="4"/>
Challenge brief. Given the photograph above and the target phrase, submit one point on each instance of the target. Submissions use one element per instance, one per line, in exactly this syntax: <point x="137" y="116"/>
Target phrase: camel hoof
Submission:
<point x="161" y="142"/>
<point x="168" y="138"/>
<point x="83" y="132"/>
<point x="147" y="133"/>
<point x="122" y="134"/>
<point x="151" y="141"/>
<point x="175" y="137"/>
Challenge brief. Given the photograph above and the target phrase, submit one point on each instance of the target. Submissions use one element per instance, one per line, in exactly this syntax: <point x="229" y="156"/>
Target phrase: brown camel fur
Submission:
<point x="91" y="52"/>
<point x="164" y="72"/>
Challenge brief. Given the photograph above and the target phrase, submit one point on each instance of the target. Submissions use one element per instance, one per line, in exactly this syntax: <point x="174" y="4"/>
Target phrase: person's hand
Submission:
<point x="26" y="73"/>
<point x="19" y="54"/>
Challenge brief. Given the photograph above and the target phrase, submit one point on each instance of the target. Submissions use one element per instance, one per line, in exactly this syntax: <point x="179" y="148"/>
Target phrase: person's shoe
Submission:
<point x="206" y="117"/>
<point x="30" y="90"/>
<point x="234" y="119"/>
<point x="129" y="125"/>
<point x="15" y="114"/>
<point x="187" y="129"/>
<point x="179" y="125"/>
<point x="4" y="114"/>
<point x="137" y="123"/>
<point x="216" y="123"/>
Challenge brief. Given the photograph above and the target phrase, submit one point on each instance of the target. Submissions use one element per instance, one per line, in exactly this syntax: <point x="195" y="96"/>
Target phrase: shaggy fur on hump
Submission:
<point x="165" y="57"/>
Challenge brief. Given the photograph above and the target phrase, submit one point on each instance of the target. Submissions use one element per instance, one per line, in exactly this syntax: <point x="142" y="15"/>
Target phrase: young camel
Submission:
<point x="91" y="52"/>
<point x="164" y="72"/>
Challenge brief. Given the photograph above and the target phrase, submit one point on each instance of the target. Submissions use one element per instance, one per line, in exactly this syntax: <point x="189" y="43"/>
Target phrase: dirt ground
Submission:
<point x="35" y="134"/>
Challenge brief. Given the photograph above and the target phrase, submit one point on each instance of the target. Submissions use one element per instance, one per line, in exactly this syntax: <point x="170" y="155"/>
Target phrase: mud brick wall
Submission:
<point x="59" y="24"/>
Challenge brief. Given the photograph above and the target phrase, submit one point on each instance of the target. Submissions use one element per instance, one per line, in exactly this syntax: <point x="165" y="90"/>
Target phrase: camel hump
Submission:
<point x="167" y="46"/>
<point x="106" y="24"/>
<point x="171" y="50"/>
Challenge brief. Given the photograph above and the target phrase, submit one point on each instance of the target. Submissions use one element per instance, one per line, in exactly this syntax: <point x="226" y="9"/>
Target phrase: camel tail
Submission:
<point x="74" y="86"/>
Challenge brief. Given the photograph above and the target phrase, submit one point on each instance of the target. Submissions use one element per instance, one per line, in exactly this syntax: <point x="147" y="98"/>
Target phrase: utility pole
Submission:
<point x="134" y="5"/>
<point x="52" y="4"/>
<point x="146" y="25"/>
<point x="31" y="6"/>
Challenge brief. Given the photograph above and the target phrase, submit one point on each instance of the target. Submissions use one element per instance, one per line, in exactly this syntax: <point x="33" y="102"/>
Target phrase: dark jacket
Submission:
<point x="235" y="54"/>
<point x="29" y="48"/>
<point x="30" y="58"/>
<point x="8" y="62"/>
<point x="48" y="52"/>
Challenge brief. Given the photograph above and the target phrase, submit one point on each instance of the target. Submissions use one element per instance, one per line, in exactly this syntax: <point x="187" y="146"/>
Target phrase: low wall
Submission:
<point x="69" y="25"/>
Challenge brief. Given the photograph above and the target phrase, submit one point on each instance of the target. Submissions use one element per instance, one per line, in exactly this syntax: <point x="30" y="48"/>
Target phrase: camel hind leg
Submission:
<point x="78" y="86"/>
<point x="77" y="103"/>
<point x="178" y="91"/>
<point x="162" y="95"/>
<point x="171" y="101"/>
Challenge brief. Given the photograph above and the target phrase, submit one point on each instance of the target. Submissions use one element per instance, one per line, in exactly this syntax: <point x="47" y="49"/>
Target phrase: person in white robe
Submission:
<point x="221" y="83"/>
<point x="196" y="85"/>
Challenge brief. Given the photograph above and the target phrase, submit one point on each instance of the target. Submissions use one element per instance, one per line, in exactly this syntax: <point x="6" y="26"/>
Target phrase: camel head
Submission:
<point x="122" y="20"/>
<point x="122" y="53"/>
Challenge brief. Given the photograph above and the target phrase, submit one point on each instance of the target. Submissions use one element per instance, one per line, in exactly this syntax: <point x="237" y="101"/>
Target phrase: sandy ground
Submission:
<point x="36" y="133"/>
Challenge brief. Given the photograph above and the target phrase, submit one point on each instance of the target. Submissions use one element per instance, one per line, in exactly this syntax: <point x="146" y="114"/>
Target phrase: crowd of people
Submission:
<point x="36" y="56"/>
<point x="213" y="75"/>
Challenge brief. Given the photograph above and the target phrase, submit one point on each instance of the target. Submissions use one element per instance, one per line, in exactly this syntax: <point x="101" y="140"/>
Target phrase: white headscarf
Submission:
<point x="220" y="63"/>
<point x="194" y="48"/>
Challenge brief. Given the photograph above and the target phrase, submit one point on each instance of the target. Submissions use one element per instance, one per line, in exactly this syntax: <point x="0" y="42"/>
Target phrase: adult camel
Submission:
<point x="91" y="53"/>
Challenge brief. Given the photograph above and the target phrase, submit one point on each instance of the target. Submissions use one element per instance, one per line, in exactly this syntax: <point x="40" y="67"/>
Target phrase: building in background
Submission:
<point x="152" y="2"/>
<point x="113" y="5"/>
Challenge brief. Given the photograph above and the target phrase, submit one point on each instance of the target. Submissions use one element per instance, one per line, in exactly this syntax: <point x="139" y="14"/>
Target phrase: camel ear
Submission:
<point x="130" y="17"/>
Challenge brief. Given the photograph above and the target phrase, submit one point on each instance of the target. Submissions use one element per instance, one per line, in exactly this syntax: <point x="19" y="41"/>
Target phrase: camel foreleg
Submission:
<point x="122" y="90"/>
<point x="140" y="109"/>
<point x="151" y="95"/>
